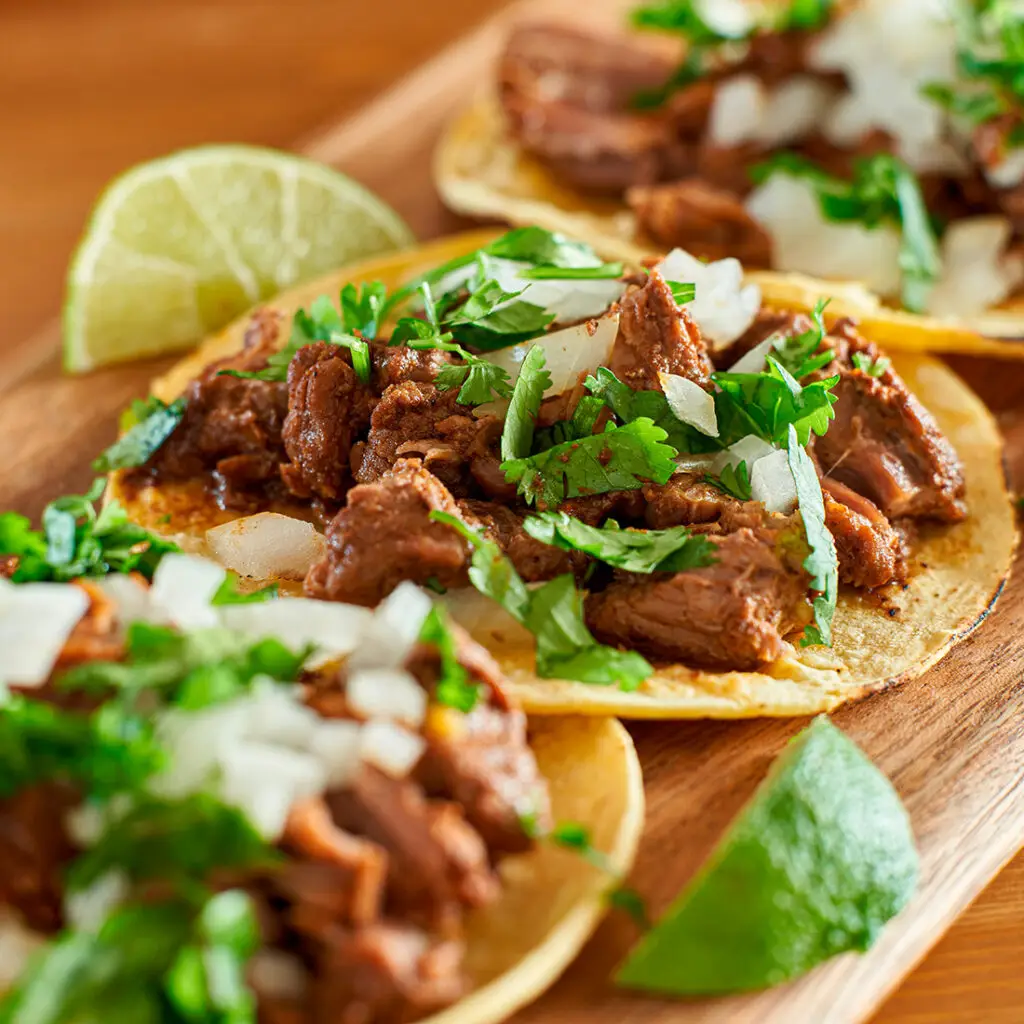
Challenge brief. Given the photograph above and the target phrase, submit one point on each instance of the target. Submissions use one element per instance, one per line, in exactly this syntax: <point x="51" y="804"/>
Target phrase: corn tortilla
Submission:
<point x="957" y="571"/>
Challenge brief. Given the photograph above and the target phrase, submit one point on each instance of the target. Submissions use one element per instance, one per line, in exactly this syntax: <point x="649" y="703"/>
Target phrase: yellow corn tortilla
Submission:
<point x="481" y="171"/>
<point x="957" y="571"/>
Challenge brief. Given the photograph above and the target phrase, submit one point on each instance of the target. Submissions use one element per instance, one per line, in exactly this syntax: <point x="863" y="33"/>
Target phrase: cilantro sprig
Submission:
<point x="800" y="355"/>
<point x="78" y="539"/>
<point x="734" y="480"/>
<point x="553" y="613"/>
<point x="146" y="425"/>
<point x="643" y="551"/>
<point x="454" y="688"/>
<point x="872" y="367"/>
<point x="520" y="420"/>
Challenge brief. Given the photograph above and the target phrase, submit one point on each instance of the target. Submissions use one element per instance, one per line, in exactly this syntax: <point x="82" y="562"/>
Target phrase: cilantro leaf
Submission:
<point x="17" y="538"/>
<point x="734" y="480"/>
<point x="154" y="422"/>
<point x="362" y="309"/>
<point x="646" y="551"/>
<point x="822" y="563"/>
<point x="543" y="248"/>
<point x="454" y="688"/>
<point x="582" y="423"/>
<point x="478" y="380"/>
<point x="681" y="17"/>
<point x="533" y="381"/>
<point x="491" y="308"/>
<point x="872" y="367"/>
<point x="619" y="459"/>
<point x="228" y="593"/>
<point x="682" y="291"/>
<point x="799" y="355"/>
<point x="607" y="271"/>
<point x="553" y="613"/>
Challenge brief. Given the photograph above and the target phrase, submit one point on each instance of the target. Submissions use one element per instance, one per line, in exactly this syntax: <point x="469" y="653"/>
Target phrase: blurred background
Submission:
<point x="90" y="87"/>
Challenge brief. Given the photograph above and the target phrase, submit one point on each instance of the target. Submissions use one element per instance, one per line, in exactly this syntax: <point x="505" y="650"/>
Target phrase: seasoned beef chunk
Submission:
<point x="328" y="410"/>
<point x="34" y="851"/>
<point x="384" y="535"/>
<point x="657" y="336"/>
<point x="389" y="973"/>
<point x="96" y="636"/>
<point x="884" y="444"/>
<point x="732" y="614"/>
<point x="594" y="509"/>
<point x="701" y="218"/>
<point x="871" y="552"/>
<point x="8" y="566"/>
<point x="395" y="364"/>
<point x="457" y="447"/>
<point x="437" y="862"/>
<point x="686" y="499"/>
<point x="533" y="559"/>
<point x="232" y="426"/>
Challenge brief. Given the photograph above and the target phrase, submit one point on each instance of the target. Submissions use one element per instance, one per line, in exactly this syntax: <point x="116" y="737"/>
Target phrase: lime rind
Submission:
<point x="815" y="865"/>
<point x="178" y="246"/>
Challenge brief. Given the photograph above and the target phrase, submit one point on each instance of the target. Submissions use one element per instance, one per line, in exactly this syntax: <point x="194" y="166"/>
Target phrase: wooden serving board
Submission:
<point x="952" y="741"/>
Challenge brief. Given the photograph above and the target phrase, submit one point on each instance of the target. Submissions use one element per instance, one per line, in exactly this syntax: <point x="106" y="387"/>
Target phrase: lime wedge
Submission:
<point x="814" y="865"/>
<point x="178" y="247"/>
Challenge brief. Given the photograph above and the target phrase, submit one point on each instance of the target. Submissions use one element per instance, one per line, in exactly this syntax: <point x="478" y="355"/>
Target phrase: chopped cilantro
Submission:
<point x="646" y="551"/>
<point x="620" y="458"/>
<point x="490" y="308"/>
<point x="544" y="249"/>
<point x="520" y="420"/>
<point x="553" y="613"/>
<point x="799" y="355"/>
<point x="79" y="540"/>
<point x="883" y="190"/>
<point x="230" y="594"/>
<point x="581" y="424"/>
<point x="361" y="309"/>
<point x="682" y="291"/>
<point x="734" y="480"/>
<point x="872" y="367"/>
<point x="454" y="688"/>
<point x="150" y="424"/>
<point x="606" y="271"/>
<point x="630" y="902"/>
<point x="822" y="563"/>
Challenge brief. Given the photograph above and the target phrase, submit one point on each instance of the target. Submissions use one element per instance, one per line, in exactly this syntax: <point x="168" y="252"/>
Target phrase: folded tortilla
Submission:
<point x="956" y="572"/>
<point x="482" y="172"/>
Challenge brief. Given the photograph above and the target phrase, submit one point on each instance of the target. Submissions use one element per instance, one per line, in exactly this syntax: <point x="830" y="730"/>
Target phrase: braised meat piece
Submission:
<point x="884" y="444"/>
<point x="733" y="614"/>
<point x="388" y="973"/>
<point x="395" y="364"/>
<point x="686" y="499"/>
<point x="232" y="426"/>
<point x="533" y="559"/>
<point x="328" y="410"/>
<point x="706" y="220"/>
<point x="594" y="509"/>
<point x="437" y="862"/>
<point x="657" y="336"/>
<point x="871" y="552"/>
<point x="384" y="535"/>
<point x="456" y="446"/>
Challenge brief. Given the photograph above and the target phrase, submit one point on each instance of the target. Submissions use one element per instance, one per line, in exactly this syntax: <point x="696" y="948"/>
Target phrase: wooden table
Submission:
<point x="88" y="87"/>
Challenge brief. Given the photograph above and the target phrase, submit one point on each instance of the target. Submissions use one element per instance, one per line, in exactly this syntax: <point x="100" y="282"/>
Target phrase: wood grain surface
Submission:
<point x="87" y="88"/>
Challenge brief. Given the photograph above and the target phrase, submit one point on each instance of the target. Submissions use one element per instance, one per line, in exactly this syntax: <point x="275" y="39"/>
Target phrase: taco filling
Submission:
<point x="199" y="820"/>
<point x="636" y="467"/>
<point x="875" y="141"/>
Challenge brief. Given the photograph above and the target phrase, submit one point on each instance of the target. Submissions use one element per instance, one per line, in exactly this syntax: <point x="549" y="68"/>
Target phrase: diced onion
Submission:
<point x="267" y="546"/>
<point x="977" y="272"/>
<point x="130" y="596"/>
<point x="391" y="748"/>
<point x="394" y="629"/>
<point x="18" y="943"/>
<point x="36" y="620"/>
<point x="1009" y="172"/>
<point x="336" y="744"/>
<point x="87" y="909"/>
<point x="723" y="306"/>
<point x="744" y="110"/>
<point x="277" y="974"/>
<point x="747" y="449"/>
<point x="275" y="715"/>
<point x="755" y="360"/>
<point x="803" y="240"/>
<point x="701" y="463"/>
<point x="771" y="483"/>
<point x="730" y="18"/>
<point x="484" y="619"/>
<point x="690" y="403"/>
<point x="386" y="693"/>
<point x="333" y="628"/>
<point x="183" y="587"/>
<point x="737" y="110"/>
<point x="568" y="353"/>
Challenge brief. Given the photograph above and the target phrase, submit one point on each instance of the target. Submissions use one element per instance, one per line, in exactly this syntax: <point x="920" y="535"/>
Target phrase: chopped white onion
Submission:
<point x="85" y="824"/>
<point x="730" y="18"/>
<point x="568" y="352"/>
<point x="723" y="306"/>
<point x="690" y="403"/>
<point x="977" y="272"/>
<point x="745" y="110"/>
<point x="130" y="596"/>
<point x="485" y="620"/>
<point x="333" y="628"/>
<point x="1009" y="172"/>
<point x="747" y="449"/>
<point x="737" y="110"/>
<point x="36" y="620"/>
<point x="391" y="748"/>
<point x="336" y="744"/>
<point x="756" y="359"/>
<point x="276" y="974"/>
<point x="183" y="587"/>
<point x="386" y="693"/>
<point x="687" y="462"/>
<point x="86" y="909"/>
<point x="276" y="715"/>
<point x="771" y="483"/>
<point x="803" y="240"/>
<point x="394" y="628"/>
<point x="18" y="943"/>
<point x="267" y="546"/>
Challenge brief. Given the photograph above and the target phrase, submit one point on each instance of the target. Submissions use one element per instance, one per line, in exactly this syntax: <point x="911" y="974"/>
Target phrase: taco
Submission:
<point x="220" y="821"/>
<point x="652" y="494"/>
<point x="872" y="142"/>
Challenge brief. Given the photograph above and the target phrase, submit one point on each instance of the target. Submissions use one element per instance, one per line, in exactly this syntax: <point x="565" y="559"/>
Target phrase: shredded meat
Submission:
<point x="884" y="444"/>
<point x="384" y="535"/>
<point x="688" y="500"/>
<point x="706" y="220"/>
<point x="871" y="553"/>
<point x="657" y="336"/>
<point x="733" y="614"/>
<point x="328" y="410"/>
